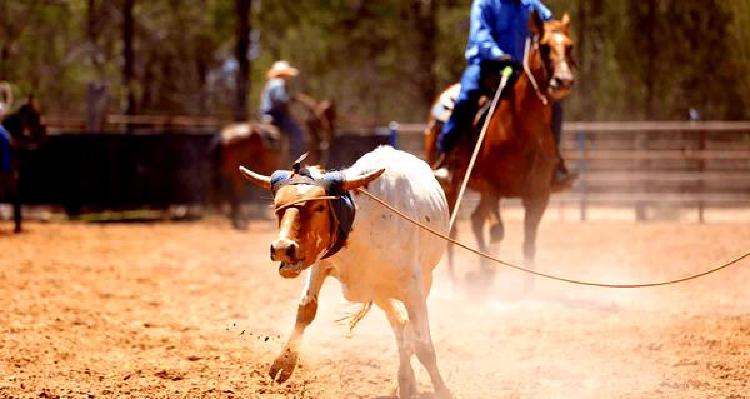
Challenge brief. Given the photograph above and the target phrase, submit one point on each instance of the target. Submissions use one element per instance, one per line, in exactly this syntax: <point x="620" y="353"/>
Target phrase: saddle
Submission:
<point x="268" y="133"/>
<point x="443" y="108"/>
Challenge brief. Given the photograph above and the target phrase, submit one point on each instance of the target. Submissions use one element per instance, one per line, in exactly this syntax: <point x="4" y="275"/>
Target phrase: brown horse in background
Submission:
<point x="251" y="144"/>
<point x="518" y="156"/>
<point x="27" y="132"/>
<point x="260" y="147"/>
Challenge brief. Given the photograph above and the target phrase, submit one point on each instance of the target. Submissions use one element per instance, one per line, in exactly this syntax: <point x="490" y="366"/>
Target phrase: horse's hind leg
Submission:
<point x="534" y="210"/>
<point x="497" y="230"/>
<point x="17" y="214"/>
<point x="16" y="199"/>
<point x="486" y="204"/>
<point x="450" y="196"/>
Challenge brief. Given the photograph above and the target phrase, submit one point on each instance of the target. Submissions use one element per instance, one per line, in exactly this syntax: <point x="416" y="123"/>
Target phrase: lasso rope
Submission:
<point x="506" y="74"/>
<point x="545" y="275"/>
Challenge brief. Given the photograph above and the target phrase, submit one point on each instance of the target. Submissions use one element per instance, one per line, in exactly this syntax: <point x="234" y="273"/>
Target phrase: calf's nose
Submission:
<point x="284" y="250"/>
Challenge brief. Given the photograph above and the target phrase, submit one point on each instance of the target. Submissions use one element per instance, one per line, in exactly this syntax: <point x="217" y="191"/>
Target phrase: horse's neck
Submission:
<point x="521" y="116"/>
<point x="527" y="98"/>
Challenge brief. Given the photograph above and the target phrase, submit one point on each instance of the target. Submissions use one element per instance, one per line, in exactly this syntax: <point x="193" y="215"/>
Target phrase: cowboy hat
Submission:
<point x="281" y="69"/>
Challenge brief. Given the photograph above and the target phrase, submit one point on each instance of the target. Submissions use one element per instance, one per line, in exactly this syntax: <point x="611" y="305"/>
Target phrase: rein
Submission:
<point x="527" y="70"/>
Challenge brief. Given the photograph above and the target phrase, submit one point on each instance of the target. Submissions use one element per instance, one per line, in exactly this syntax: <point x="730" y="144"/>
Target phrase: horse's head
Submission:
<point x="556" y="48"/>
<point x="550" y="56"/>
<point x="309" y="226"/>
<point x="26" y="123"/>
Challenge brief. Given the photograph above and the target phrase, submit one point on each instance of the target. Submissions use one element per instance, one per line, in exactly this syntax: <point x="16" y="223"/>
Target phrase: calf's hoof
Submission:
<point x="407" y="383"/>
<point x="283" y="366"/>
<point x="239" y="224"/>
<point x="443" y="393"/>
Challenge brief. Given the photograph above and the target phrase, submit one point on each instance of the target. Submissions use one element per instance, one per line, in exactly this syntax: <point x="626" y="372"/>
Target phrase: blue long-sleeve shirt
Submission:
<point x="500" y="27"/>
<point x="274" y="98"/>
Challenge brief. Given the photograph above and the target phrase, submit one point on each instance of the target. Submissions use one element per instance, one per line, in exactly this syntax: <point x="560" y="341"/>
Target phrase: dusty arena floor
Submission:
<point x="198" y="311"/>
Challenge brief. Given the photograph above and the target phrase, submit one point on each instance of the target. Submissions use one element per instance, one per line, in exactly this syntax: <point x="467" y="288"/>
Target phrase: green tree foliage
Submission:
<point x="378" y="60"/>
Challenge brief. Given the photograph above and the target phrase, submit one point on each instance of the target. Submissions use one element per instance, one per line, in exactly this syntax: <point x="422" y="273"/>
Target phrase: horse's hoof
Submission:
<point x="497" y="233"/>
<point x="283" y="366"/>
<point x="239" y="224"/>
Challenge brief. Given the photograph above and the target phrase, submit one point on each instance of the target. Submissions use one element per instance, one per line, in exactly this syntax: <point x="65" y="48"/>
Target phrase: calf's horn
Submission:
<point x="362" y="180"/>
<point x="257" y="179"/>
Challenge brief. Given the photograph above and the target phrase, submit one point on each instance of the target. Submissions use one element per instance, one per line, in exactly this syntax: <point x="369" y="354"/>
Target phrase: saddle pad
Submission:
<point x="268" y="133"/>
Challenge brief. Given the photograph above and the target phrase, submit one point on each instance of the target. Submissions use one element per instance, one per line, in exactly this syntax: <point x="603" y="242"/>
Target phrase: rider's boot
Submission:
<point x="441" y="170"/>
<point x="563" y="179"/>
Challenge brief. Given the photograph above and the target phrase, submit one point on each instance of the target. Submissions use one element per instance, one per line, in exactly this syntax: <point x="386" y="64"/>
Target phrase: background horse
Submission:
<point x="26" y="134"/>
<point x="518" y="156"/>
<point x="321" y="126"/>
<point x="259" y="146"/>
<point x="256" y="145"/>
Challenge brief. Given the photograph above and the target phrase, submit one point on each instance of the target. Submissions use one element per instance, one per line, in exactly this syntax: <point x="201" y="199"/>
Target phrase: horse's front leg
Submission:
<point x="284" y="364"/>
<point x="16" y="199"/>
<point x="534" y="210"/>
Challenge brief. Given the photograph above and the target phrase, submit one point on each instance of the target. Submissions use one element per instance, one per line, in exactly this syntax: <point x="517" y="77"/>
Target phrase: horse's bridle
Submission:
<point x="527" y="50"/>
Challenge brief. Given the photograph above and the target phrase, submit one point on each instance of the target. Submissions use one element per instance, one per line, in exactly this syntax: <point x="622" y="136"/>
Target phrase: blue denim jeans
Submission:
<point x="289" y="127"/>
<point x="467" y="105"/>
<point x="467" y="102"/>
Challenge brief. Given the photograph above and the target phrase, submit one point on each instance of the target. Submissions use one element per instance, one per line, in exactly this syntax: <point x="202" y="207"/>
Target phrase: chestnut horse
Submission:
<point x="518" y="156"/>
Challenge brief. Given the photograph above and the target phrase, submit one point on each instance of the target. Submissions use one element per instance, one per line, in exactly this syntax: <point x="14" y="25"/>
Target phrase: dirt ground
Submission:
<point x="197" y="310"/>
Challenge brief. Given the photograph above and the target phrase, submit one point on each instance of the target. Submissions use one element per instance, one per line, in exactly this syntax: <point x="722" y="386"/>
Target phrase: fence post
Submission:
<point x="583" y="190"/>
<point x="393" y="134"/>
<point x="702" y="183"/>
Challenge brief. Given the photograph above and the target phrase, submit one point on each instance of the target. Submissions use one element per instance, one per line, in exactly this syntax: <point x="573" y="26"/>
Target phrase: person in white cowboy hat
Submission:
<point x="274" y="105"/>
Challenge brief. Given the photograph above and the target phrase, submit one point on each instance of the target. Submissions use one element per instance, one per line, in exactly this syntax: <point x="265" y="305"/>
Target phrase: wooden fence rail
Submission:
<point x="647" y="165"/>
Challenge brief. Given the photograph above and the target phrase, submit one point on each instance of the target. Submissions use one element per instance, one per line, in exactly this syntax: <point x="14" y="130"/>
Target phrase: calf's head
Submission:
<point x="303" y="201"/>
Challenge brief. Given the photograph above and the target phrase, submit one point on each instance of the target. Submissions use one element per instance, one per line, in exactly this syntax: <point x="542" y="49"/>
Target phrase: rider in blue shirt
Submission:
<point x="497" y="38"/>
<point x="274" y="105"/>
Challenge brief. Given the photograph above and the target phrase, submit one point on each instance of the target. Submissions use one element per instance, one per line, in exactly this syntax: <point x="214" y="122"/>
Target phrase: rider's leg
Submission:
<point x="464" y="110"/>
<point x="562" y="177"/>
<point x="289" y="127"/>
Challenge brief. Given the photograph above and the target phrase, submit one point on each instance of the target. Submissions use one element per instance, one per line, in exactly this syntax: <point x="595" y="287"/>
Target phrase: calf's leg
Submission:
<point x="407" y="384"/>
<point x="284" y="364"/>
<point x="416" y="306"/>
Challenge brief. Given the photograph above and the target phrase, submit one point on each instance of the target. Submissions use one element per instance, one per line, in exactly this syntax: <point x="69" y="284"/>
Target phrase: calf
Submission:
<point x="377" y="256"/>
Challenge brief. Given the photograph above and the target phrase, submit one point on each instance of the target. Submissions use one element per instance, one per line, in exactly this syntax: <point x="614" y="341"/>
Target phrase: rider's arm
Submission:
<point x="543" y="11"/>
<point x="482" y="21"/>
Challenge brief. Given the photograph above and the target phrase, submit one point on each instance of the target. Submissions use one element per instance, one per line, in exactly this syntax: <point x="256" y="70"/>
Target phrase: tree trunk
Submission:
<point x="128" y="29"/>
<point x="425" y="14"/>
<point x="242" y="8"/>
<point x="651" y="59"/>
<point x="97" y="99"/>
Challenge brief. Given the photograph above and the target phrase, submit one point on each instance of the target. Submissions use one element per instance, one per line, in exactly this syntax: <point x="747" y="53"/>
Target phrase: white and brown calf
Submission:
<point x="385" y="260"/>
